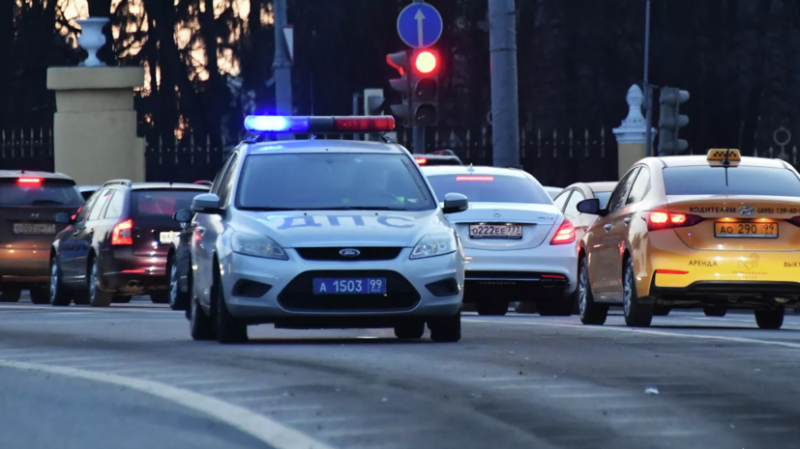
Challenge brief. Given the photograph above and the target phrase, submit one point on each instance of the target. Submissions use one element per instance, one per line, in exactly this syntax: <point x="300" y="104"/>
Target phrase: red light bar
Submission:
<point x="363" y="124"/>
<point x="30" y="181"/>
<point x="421" y="160"/>
<point x="475" y="178"/>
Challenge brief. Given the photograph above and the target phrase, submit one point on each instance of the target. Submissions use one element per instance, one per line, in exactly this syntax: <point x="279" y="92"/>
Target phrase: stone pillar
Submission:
<point x="94" y="131"/>
<point x="631" y="134"/>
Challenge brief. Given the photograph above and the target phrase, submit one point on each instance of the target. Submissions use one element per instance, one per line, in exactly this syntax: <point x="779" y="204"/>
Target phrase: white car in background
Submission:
<point x="519" y="246"/>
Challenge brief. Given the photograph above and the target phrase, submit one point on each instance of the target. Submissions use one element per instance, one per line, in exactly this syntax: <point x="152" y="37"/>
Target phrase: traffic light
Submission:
<point x="418" y="86"/>
<point x="425" y="83"/>
<point x="401" y="85"/>
<point x="670" y="121"/>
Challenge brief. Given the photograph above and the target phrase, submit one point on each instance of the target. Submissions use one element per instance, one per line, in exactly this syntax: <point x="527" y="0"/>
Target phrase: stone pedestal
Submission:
<point x="94" y="132"/>
<point x="631" y="135"/>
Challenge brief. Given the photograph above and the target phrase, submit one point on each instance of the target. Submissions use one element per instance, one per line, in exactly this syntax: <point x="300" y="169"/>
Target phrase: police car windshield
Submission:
<point x="705" y="180"/>
<point x="490" y="188"/>
<point x="331" y="181"/>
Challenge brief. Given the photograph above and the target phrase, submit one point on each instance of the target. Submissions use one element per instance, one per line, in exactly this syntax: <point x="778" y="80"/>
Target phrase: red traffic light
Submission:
<point x="426" y="62"/>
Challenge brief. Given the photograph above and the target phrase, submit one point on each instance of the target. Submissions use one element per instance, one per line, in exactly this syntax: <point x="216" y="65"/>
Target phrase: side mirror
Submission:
<point x="182" y="216"/>
<point x="454" y="203"/>
<point x="206" y="203"/>
<point x="590" y="206"/>
<point x="63" y="218"/>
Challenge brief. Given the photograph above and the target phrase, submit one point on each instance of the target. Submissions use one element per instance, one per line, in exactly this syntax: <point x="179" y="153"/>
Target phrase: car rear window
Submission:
<point x="161" y="203"/>
<point x="704" y="180"/>
<point x="39" y="192"/>
<point x="490" y="188"/>
<point x="332" y="181"/>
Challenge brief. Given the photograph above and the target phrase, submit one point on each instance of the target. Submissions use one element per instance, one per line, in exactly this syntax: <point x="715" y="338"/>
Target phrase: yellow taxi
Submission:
<point x="715" y="232"/>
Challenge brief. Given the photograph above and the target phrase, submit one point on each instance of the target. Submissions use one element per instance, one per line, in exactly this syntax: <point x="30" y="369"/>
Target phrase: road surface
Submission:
<point x="129" y="376"/>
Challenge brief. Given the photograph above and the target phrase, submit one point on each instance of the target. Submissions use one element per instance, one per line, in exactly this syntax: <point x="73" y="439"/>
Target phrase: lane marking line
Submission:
<point x="258" y="426"/>
<point x="646" y="332"/>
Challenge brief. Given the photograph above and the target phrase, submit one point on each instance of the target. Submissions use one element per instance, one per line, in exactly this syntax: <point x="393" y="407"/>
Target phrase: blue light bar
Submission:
<point x="276" y="123"/>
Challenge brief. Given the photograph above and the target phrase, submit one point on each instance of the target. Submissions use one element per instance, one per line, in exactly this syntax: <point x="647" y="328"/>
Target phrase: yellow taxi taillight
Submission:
<point x="719" y="154"/>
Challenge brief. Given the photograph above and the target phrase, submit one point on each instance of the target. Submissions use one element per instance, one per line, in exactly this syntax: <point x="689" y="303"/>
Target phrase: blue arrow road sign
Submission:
<point x="419" y="25"/>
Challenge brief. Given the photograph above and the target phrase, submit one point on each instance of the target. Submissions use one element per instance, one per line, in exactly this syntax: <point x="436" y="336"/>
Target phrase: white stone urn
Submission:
<point x="92" y="39"/>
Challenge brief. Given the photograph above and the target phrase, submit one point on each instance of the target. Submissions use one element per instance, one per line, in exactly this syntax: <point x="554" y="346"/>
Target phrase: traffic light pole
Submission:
<point x="648" y="92"/>
<point x="418" y="139"/>
<point x="505" y="102"/>
<point x="282" y="66"/>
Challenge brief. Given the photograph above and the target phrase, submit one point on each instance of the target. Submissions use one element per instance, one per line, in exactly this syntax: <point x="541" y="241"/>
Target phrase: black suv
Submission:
<point x="116" y="246"/>
<point x="29" y="202"/>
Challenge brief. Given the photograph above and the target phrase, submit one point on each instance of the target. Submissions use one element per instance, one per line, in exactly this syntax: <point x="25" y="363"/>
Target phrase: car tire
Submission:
<point x="159" y="297"/>
<point x="200" y="324"/>
<point x="410" y="330"/>
<point x="97" y="297"/>
<point x="10" y="295"/>
<point x="661" y="311"/>
<point x="446" y="329"/>
<point x="492" y="308"/>
<point x="637" y="313"/>
<point x="770" y="319"/>
<point x="590" y="312"/>
<point x="230" y="330"/>
<point x="59" y="297"/>
<point x="526" y="307"/>
<point x="40" y="295"/>
<point x="716" y="311"/>
<point x="178" y="300"/>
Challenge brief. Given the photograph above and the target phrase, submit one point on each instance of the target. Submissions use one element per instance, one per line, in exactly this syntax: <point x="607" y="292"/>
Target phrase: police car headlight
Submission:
<point x="435" y="245"/>
<point x="258" y="246"/>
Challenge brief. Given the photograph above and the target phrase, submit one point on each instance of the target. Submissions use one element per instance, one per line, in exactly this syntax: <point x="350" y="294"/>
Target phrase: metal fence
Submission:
<point x="556" y="157"/>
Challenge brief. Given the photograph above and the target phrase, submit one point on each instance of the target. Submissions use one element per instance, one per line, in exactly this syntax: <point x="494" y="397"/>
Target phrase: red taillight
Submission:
<point x="30" y="181"/>
<point x="664" y="220"/>
<point x="421" y="160"/>
<point x="565" y="234"/>
<point x="475" y="178"/>
<point x="671" y="272"/>
<point x="122" y="234"/>
<point x="553" y="276"/>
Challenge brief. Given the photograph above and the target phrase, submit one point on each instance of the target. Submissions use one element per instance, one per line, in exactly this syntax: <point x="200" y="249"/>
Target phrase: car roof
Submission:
<point x="87" y="188"/>
<point x="689" y="161"/>
<point x="33" y="174"/>
<point x="168" y="186"/>
<point x="323" y="146"/>
<point x="472" y="170"/>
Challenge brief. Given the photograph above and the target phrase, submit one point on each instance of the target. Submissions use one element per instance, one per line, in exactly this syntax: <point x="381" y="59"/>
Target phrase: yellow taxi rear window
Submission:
<point x="706" y="180"/>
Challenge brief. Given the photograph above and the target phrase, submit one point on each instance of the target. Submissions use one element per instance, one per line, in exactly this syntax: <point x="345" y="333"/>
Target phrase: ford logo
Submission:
<point x="349" y="252"/>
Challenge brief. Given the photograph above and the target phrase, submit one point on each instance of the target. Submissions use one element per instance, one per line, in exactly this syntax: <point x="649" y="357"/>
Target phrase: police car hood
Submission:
<point x="343" y="228"/>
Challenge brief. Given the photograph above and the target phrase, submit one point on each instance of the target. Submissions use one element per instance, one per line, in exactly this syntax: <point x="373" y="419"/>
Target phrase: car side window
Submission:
<point x="620" y="194"/>
<point x="561" y="199"/>
<point x="640" y="187"/>
<point x="114" y="209"/>
<point x="87" y="207"/>
<point x="221" y="174"/>
<point x="572" y="205"/>
<point x="226" y="181"/>
<point x="99" y="205"/>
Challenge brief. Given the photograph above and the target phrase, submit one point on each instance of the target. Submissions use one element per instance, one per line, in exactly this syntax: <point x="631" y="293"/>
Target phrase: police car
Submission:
<point x="324" y="234"/>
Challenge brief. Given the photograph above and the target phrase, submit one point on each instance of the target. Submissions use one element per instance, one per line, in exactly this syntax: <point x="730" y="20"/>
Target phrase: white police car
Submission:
<point x="324" y="234"/>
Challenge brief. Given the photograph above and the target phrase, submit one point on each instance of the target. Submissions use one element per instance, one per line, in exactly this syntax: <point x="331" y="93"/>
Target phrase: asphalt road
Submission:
<point x="129" y="376"/>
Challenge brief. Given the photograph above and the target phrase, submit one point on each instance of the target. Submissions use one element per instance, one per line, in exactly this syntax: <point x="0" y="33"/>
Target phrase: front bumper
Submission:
<point x="537" y="273"/>
<point x="264" y="290"/>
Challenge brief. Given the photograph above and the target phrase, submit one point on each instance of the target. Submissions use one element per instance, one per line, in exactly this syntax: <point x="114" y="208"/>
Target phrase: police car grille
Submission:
<point x="400" y="294"/>
<point x="365" y="253"/>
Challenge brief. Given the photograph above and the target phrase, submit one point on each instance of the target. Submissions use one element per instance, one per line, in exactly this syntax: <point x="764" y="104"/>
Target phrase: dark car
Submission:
<point x="29" y="202"/>
<point x="117" y="245"/>
<point x="442" y="157"/>
<point x="179" y="261"/>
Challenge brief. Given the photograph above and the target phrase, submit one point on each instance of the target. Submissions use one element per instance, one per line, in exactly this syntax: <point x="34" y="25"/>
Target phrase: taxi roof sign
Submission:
<point x="723" y="154"/>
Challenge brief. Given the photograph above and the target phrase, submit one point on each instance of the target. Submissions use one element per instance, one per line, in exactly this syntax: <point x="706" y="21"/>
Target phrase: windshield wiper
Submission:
<point x="37" y="202"/>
